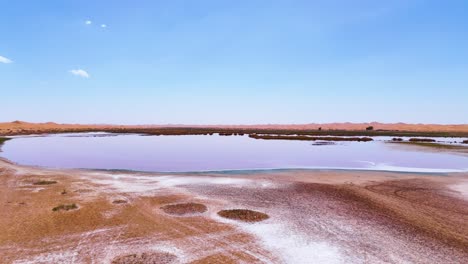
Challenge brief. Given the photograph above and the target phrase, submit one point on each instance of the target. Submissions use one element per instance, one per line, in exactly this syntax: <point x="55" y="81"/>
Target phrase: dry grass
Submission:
<point x="422" y="140"/>
<point x="65" y="207"/>
<point x="44" y="182"/>
<point x="310" y="138"/>
<point x="2" y="140"/>
<point x="119" y="201"/>
<point x="243" y="215"/>
<point x="435" y="146"/>
<point x="184" y="208"/>
<point x="146" y="258"/>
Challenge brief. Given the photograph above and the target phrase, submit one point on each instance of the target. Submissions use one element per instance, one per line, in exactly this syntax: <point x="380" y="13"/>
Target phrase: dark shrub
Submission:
<point x="243" y="215"/>
<point x="184" y="208"/>
<point x="2" y="140"/>
<point x="44" y="182"/>
<point x="65" y="207"/>
<point x="422" y="140"/>
<point x="271" y="137"/>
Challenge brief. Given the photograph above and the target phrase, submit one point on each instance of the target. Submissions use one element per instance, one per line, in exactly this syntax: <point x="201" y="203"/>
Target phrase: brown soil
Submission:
<point x="444" y="218"/>
<point x="424" y="219"/>
<point x="243" y="215"/>
<point x="100" y="230"/>
<point x="146" y="258"/>
<point x="184" y="208"/>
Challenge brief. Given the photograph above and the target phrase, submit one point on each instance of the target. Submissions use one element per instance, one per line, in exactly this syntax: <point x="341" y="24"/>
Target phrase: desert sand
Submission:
<point x="21" y="127"/>
<point x="314" y="216"/>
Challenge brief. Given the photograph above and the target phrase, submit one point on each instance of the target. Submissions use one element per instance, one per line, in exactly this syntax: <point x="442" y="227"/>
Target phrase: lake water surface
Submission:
<point x="214" y="153"/>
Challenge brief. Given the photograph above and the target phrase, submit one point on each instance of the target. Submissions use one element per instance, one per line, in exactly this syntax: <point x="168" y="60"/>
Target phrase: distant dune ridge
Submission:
<point x="21" y="127"/>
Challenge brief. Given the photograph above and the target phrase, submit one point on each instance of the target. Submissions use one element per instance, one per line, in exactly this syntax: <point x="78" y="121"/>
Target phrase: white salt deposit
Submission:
<point x="139" y="183"/>
<point x="293" y="247"/>
<point x="171" y="181"/>
<point x="50" y="257"/>
<point x="462" y="188"/>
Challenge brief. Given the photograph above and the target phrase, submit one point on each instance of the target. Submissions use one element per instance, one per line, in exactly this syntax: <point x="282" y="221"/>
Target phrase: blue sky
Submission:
<point x="234" y="62"/>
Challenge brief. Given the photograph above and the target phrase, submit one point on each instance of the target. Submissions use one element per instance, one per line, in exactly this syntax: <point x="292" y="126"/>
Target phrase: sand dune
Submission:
<point x="21" y="127"/>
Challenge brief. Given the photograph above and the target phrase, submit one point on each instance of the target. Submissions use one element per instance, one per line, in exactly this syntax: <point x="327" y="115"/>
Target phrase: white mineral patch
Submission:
<point x="170" y="181"/>
<point x="55" y="257"/>
<point x="293" y="247"/>
<point x="461" y="188"/>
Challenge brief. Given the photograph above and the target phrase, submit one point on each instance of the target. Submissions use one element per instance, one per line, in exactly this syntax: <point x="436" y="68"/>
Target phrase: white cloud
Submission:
<point x="80" y="72"/>
<point x="103" y="25"/>
<point x="5" y="60"/>
<point x="88" y="22"/>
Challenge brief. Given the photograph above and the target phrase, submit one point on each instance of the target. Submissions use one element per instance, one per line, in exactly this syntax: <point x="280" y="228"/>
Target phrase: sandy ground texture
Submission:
<point x="21" y="127"/>
<point x="313" y="217"/>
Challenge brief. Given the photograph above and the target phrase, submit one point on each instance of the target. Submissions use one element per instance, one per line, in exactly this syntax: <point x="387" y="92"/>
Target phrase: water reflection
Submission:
<point x="200" y="153"/>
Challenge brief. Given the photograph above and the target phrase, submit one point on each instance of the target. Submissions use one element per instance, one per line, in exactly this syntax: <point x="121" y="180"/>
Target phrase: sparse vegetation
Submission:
<point x="65" y="207"/>
<point x="44" y="182"/>
<point x="151" y="257"/>
<point x="213" y="130"/>
<point x="2" y="140"/>
<point x="397" y="139"/>
<point x="184" y="208"/>
<point x="369" y="128"/>
<point x="422" y="140"/>
<point x="328" y="143"/>
<point x="273" y="137"/>
<point x="243" y="215"/>
<point x="457" y="148"/>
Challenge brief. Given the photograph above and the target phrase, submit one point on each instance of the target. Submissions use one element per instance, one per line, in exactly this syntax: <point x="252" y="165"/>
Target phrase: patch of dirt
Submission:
<point x="243" y="215"/>
<point x="184" y="208"/>
<point x="216" y="258"/>
<point x="119" y="201"/>
<point x="146" y="258"/>
<point x="83" y="191"/>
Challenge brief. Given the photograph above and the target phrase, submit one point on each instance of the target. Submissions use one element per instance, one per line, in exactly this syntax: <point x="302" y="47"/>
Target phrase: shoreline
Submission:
<point x="335" y="216"/>
<point x="402" y="170"/>
<point x="331" y="129"/>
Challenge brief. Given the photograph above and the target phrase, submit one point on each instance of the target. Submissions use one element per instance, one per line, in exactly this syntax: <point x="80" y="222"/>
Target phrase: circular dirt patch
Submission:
<point x="243" y="215"/>
<point x="184" y="208"/>
<point x="145" y="258"/>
